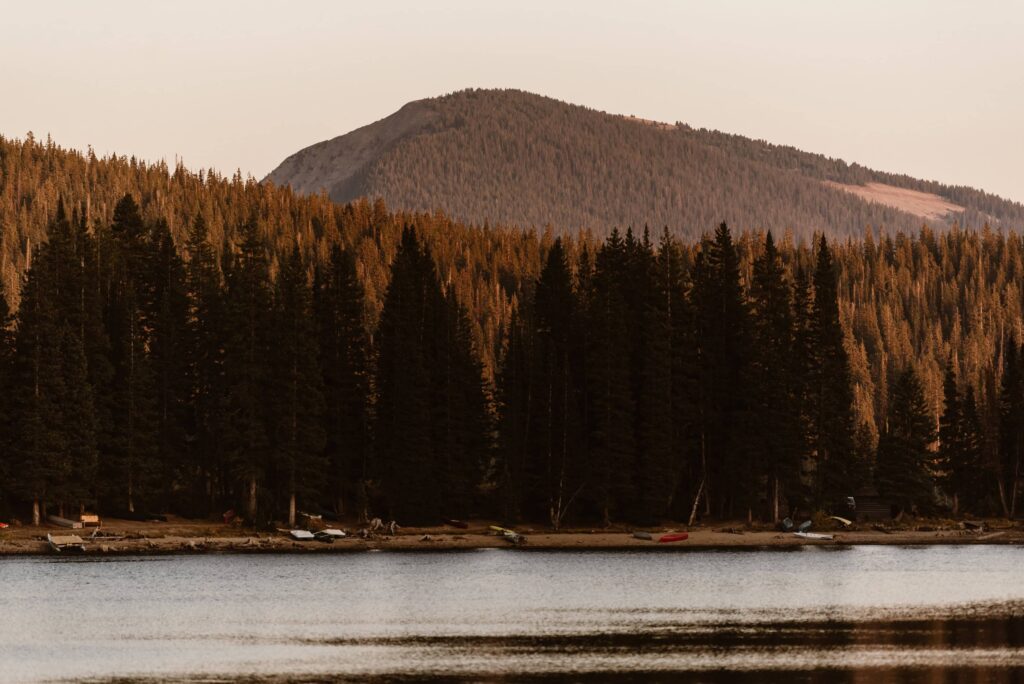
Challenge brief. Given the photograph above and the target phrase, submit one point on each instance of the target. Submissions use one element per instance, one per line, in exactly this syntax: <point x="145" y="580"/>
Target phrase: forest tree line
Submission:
<point x="634" y="382"/>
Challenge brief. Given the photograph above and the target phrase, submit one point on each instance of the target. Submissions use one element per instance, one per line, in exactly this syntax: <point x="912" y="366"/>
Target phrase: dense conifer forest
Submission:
<point x="183" y="342"/>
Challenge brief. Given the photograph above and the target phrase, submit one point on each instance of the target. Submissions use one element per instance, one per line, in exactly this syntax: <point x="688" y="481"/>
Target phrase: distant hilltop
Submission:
<point x="511" y="157"/>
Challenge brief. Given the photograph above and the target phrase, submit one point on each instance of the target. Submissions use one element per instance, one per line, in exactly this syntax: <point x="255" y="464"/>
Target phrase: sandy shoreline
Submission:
<point x="178" y="537"/>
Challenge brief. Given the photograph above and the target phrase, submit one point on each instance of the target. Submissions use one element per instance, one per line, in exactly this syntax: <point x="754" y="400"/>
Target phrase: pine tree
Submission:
<point x="904" y="448"/>
<point x="831" y="389"/>
<point x="338" y="298"/>
<point x="247" y="349"/>
<point x="205" y="336"/>
<point x="652" y="386"/>
<point x="7" y="406"/>
<point x="168" y="353"/>
<point x="953" y="455"/>
<point x="775" y="388"/>
<point x="40" y="467"/>
<point x="403" y="428"/>
<point x="723" y="348"/>
<point x="611" y="468"/>
<point x="683" y="485"/>
<point x="1011" y="428"/>
<point x="297" y="415"/>
<point x="514" y="395"/>
<point x="554" y="475"/>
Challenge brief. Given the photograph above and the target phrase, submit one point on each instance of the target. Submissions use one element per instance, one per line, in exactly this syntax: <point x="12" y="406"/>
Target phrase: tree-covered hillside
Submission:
<point x="514" y="158"/>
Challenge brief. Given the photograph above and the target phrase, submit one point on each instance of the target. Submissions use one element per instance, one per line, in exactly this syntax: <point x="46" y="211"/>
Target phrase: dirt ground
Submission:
<point x="185" y="536"/>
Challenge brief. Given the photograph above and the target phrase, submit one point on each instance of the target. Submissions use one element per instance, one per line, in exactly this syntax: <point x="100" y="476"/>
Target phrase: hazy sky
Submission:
<point x="934" y="89"/>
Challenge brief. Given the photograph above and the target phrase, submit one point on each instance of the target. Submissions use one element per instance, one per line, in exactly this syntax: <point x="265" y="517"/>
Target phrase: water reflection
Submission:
<point x="942" y="614"/>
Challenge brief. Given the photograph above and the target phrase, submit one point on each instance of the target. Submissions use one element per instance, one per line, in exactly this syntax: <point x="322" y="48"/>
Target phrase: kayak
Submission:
<point x="679" y="536"/>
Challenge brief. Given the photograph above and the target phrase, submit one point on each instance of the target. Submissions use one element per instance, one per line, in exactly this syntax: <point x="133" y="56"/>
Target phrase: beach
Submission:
<point x="124" y="537"/>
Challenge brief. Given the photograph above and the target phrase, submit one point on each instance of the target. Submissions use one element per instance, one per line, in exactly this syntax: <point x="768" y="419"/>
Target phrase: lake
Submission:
<point x="878" y="613"/>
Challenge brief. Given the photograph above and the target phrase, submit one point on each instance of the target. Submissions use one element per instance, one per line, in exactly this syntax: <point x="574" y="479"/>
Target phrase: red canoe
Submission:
<point x="681" y="536"/>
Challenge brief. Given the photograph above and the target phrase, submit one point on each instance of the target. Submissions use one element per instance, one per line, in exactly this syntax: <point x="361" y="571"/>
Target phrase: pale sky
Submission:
<point x="934" y="89"/>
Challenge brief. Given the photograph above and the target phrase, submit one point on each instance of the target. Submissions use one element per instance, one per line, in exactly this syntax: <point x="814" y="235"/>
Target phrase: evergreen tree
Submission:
<point x="611" y="468"/>
<point x="831" y="389"/>
<point x="344" y="352"/>
<point x="1011" y="428"/>
<point x="168" y="351"/>
<point x="7" y="406"/>
<point x="955" y="454"/>
<point x="723" y="348"/>
<point x="297" y="399"/>
<point x="904" y="448"/>
<point x="246" y="359"/>
<point x="652" y="385"/>
<point x="404" y="433"/>
<point x="554" y="475"/>
<point x="204" y="471"/>
<point x="775" y="388"/>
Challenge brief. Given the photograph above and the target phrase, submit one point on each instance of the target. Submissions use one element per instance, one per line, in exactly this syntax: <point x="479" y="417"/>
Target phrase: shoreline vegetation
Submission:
<point x="177" y="536"/>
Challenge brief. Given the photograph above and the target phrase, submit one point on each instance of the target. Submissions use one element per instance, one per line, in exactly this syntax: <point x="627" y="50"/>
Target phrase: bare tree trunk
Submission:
<point x="775" y="499"/>
<point x="36" y="517"/>
<point x="131" y="495"/>
<point x="696" y="501"/>
<point x="1002" y="498"/>
<point x="291" y="510"/>
<point x="251" y="512"/>
<point x="956" y="504"/>
<point x="1013" y="489"/>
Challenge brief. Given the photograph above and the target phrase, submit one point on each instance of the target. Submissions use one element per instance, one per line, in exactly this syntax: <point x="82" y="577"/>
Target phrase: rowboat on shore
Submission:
<point x="66" y="543"/>
<point x="301" y="535"/>
<point x="677" y="536"/>
<point x="812" y="535"/>
<point x="511" y="536"/>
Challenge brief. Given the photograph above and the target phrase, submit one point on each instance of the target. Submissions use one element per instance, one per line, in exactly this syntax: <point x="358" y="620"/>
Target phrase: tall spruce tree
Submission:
<point x="651" y="385"/>
<point x="204" y="472"/>
<point x="168" y="349"/>
<point x="554" y="479"/>
<point x="611" y="469"/>
<point x="403" y="429"/>
<point x="903" y="471"/>
<point x="775" y="389"/>
<point x="297" y="400"/>
<point x="838" y="473"/>
<point x="338" y="299"/>
<point x="7" y="406"/>
<point x="247" y="350"/>
<point x="1011" y="427"/>
<point x="723" y="348"/>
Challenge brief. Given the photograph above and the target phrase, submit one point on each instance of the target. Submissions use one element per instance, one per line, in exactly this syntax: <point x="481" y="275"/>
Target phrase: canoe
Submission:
<point x="678" y="536"/>
<point x="812" y="535"/>
<point x="301" y="535"/>
<point x="64" y="522"/>
<point x="66" y="543"/>
<point x="646" y="536"/>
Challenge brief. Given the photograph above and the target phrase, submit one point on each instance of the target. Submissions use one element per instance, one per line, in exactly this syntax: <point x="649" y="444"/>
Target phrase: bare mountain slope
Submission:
<point x="511" y="157"/>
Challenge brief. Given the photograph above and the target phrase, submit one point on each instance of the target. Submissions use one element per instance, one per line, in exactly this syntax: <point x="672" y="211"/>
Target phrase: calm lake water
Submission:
<point x="875" y="614"/>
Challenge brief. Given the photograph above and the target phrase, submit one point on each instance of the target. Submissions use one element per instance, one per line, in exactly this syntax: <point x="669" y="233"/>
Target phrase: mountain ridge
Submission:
<point x="511" y="157"/>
